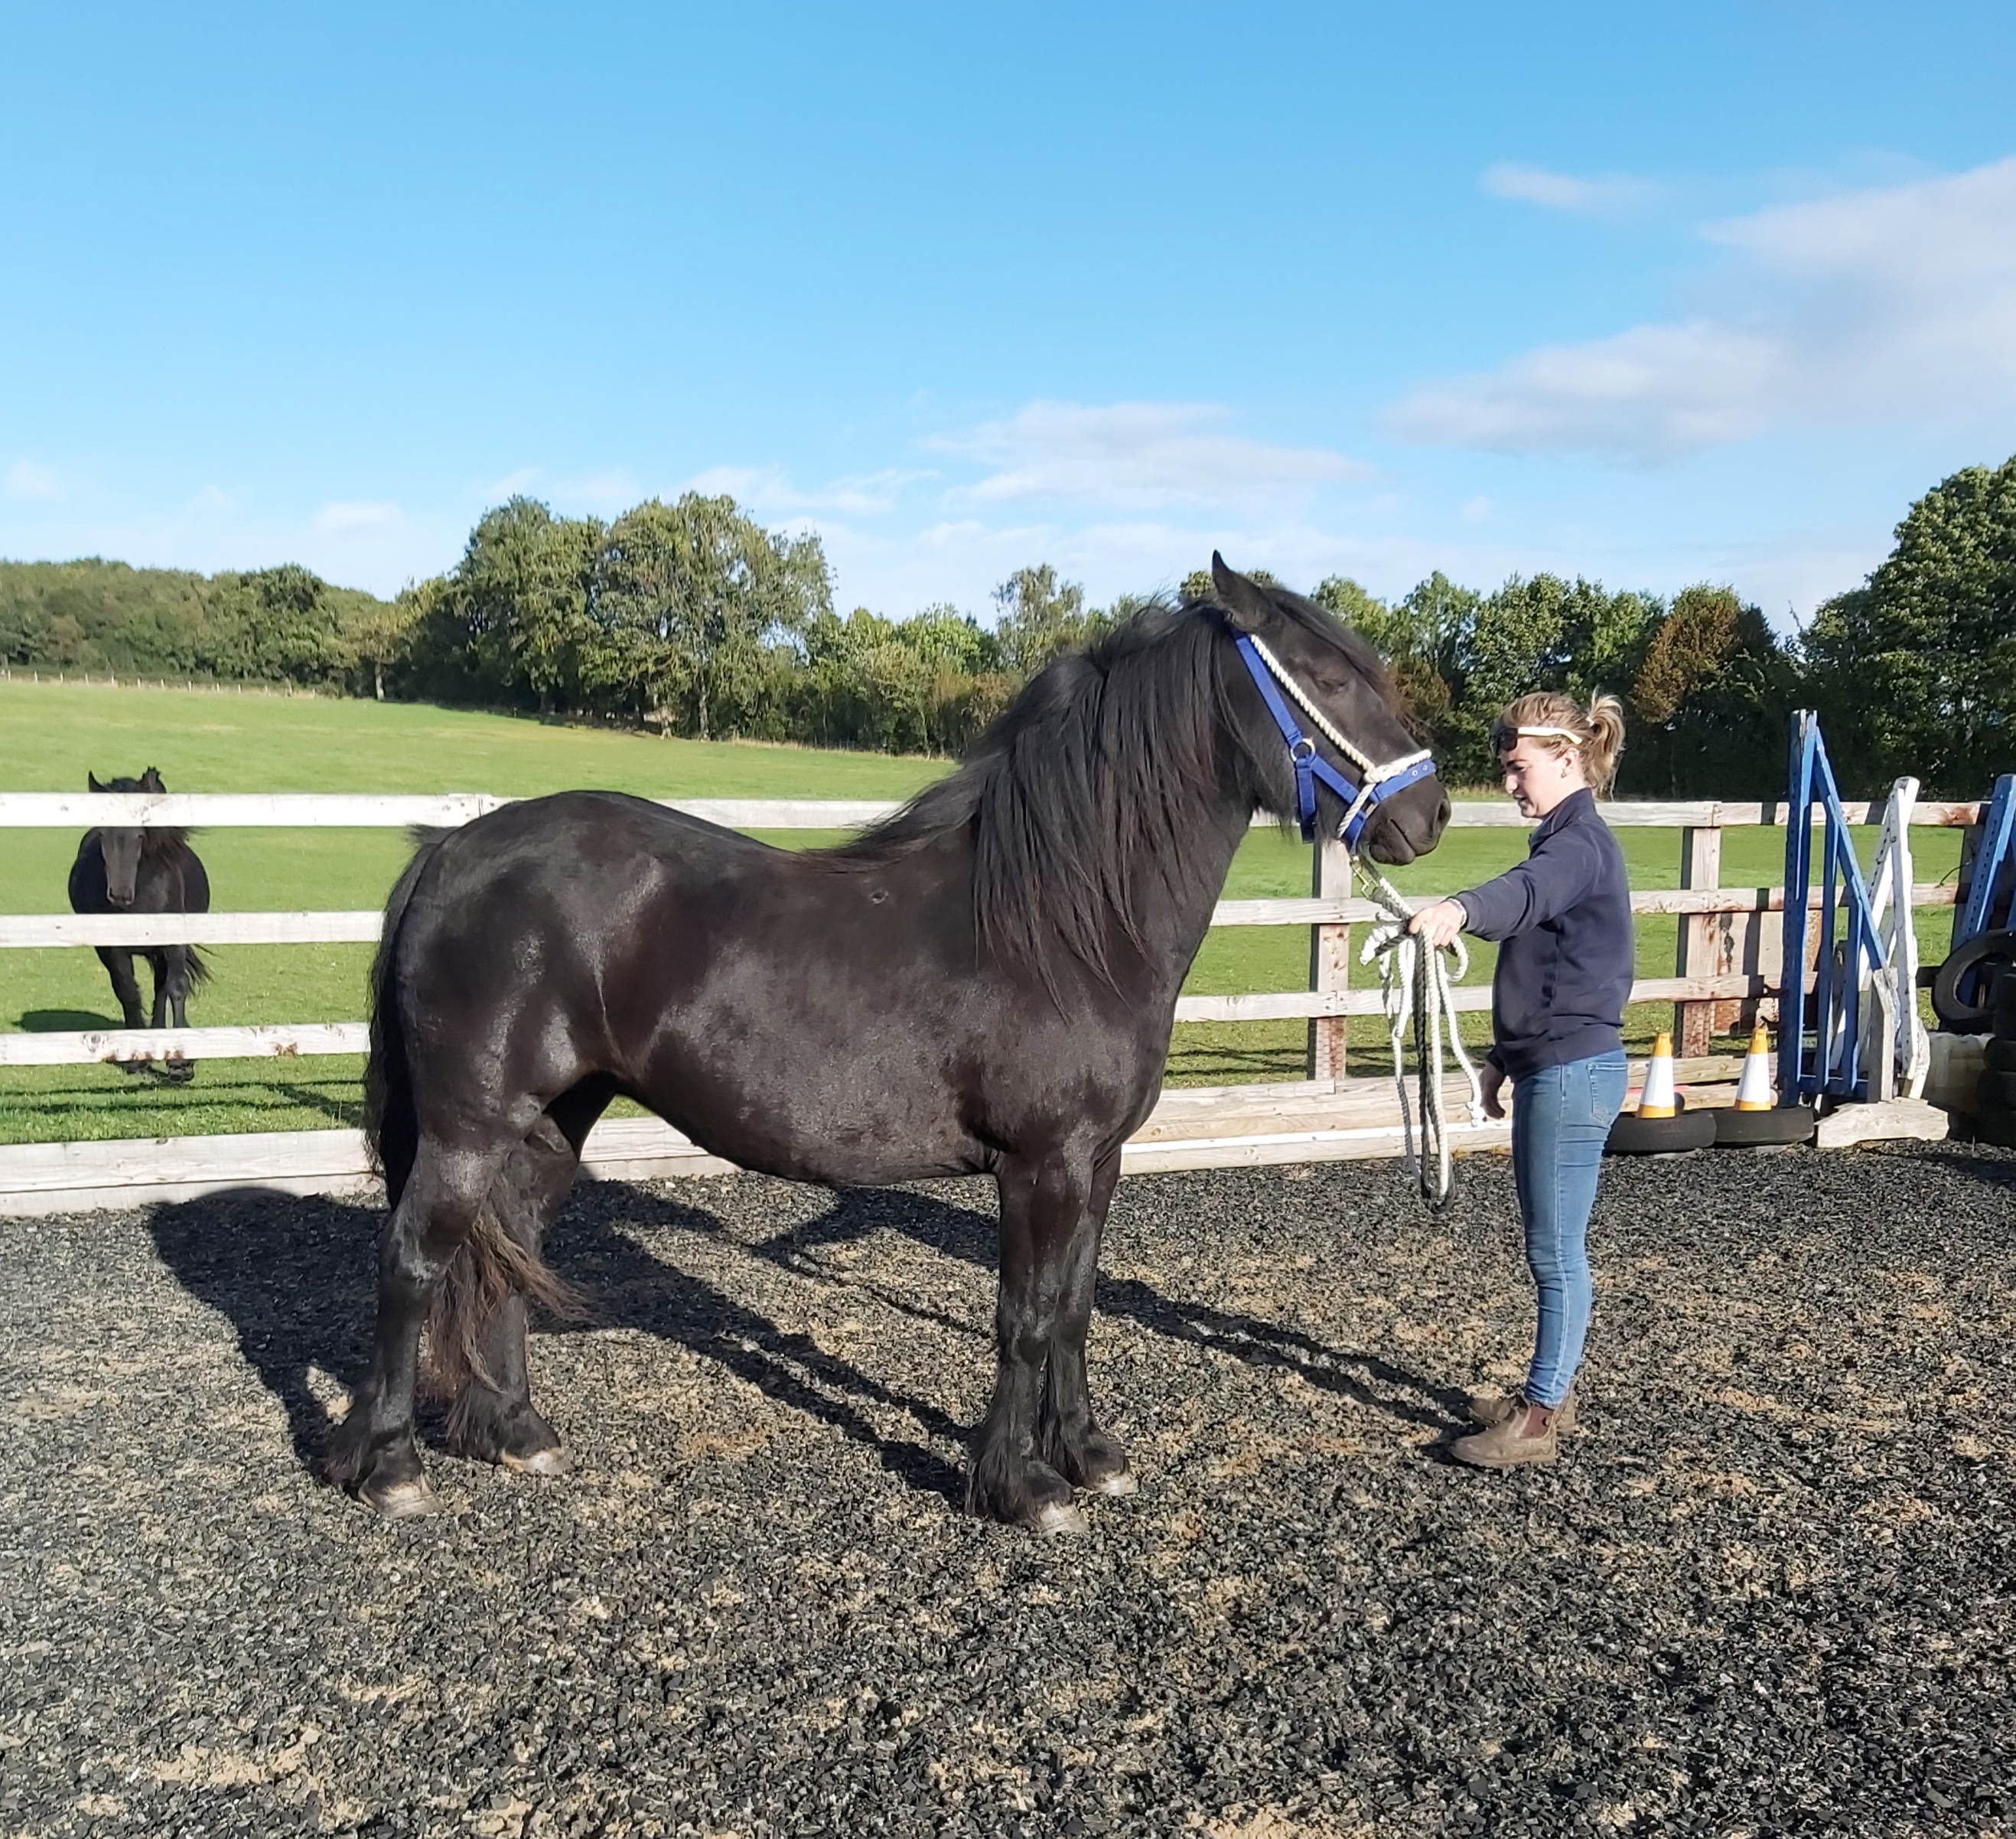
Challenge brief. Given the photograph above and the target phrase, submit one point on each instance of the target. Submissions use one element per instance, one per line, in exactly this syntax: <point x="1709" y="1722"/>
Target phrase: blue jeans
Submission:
<point x="1561" y="1116"/>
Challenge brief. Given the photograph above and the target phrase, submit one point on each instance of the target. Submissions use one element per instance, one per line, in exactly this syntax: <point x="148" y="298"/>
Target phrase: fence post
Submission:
<point x="1329" y="959"/>
<point x="1694" y="1024"/>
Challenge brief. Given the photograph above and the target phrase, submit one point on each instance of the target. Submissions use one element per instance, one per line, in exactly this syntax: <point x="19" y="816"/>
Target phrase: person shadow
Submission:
<point x="296" y="1277"/>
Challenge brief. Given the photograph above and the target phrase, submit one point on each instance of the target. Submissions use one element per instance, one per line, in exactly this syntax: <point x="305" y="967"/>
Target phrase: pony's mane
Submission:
<point x="1082" y="795"/>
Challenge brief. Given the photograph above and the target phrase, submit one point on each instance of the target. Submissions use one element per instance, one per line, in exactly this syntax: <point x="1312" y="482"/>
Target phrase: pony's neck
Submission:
<point x="1175" y="927"/>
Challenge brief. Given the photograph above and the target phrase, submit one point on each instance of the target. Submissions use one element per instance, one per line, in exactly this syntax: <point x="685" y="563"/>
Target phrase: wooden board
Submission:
<point x="1191" y="1128"/>
<point x="110" y="1045"/>
<point x="1893" y="1120"/>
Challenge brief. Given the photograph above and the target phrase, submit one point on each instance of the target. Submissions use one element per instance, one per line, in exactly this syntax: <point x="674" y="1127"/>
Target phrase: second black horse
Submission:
<point x="125" y="869"/>
<point x="987" y="982"/>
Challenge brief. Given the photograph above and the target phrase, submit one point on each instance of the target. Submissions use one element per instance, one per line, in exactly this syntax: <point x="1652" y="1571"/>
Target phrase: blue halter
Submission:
<point x="1360" y="802"/>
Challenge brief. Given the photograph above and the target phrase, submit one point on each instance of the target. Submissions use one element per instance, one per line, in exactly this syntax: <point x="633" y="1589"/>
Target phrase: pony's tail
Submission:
<point x="488" y="1268"/>
<point x="392" y="1126"/>
<point x="491" y="1265"/>
<point x="199" y="966"/>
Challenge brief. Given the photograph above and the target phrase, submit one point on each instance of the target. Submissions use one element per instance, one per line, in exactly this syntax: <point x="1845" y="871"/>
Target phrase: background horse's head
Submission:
<point x="121" y="847"/>
<point x="1344" y="678"/>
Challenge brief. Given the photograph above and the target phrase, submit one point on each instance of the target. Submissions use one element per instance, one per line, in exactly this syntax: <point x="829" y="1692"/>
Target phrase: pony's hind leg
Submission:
<point x="373" y="1452"/>
<point x="1068" y="1436"/>
<point x="171" y="982"/>
<point x="492" y="1419"/>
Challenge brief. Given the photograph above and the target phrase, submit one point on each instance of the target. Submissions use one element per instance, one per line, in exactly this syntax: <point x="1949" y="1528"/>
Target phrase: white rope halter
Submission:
<point x="1376" y="774"/>
<point x="1416" y="986"/>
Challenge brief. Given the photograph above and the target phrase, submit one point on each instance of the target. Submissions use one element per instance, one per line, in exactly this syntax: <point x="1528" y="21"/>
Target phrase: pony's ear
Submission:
<point x="90" y="779"/>
<point x="150" y="781"/>
<point x="1244" y="599"/>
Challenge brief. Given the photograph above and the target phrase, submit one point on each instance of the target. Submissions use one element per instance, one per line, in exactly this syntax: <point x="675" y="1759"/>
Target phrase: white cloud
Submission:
<point x="1134" y="456"/>
<point x="211" y="501"/>
<point x="27" y="479"/>
<point x="1609" y="195"/>
<point x="342" y="517"/>
<point x="1895" y="304"/>
<point x="768" y="489"/>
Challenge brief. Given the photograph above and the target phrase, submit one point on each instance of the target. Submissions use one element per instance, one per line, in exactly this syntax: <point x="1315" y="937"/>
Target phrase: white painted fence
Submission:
<point x="41" y="1176"/>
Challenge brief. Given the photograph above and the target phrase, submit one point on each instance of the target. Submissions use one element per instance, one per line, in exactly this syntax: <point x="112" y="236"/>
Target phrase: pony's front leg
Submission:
<point x="373" y="1453"/>
<point x="1068" y="1437"/>
<point x="119" y="967"/>
<point x="1043" y="1205"/>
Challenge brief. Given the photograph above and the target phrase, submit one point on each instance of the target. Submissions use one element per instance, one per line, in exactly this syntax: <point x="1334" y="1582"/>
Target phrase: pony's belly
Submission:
<point x="848" y="1157"/>
<point x="826" y="1120"/>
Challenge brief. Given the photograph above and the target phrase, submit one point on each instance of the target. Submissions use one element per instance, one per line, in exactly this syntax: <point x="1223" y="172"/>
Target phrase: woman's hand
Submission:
<point x="1490" y="1081"/>
<point x="1439" y="924"/>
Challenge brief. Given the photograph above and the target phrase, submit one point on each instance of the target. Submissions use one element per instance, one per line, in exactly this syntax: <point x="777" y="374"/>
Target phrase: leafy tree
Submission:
<point x="1039" y="616"/>
<point x="1709" y="703"/>
<point x="1915" y="671"/>
<point x="690" y="595"/>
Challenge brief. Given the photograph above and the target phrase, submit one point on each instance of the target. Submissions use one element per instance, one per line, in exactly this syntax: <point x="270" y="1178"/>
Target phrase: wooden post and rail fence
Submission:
<point x="1726" y="964"/>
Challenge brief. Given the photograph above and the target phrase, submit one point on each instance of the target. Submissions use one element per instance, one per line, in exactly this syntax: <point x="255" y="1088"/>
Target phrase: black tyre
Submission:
<point x="1998" y="1127"/>
<point x="2001" y="1054"/>
<point x="1991" y="954"/>
<point x="1633" y="1135"/>
<point x="2004" y="1019"/>
<point x="1995" y="1092"/>
<point x="1764" y="1130"/>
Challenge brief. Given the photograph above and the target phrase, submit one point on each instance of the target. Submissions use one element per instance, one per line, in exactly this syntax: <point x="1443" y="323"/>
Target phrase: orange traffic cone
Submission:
<point x="1658" y="1099"/>
<point x="1754" y="1091"/>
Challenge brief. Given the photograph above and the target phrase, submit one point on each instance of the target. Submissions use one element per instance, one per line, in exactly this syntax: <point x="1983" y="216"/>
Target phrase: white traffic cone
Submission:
<point x="1658" y="1100"/>
<point x="1754" y="1091"/>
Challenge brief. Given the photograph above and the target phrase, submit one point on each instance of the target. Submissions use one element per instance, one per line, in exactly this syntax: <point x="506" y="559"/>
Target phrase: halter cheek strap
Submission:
<point x="1378" y="782"/>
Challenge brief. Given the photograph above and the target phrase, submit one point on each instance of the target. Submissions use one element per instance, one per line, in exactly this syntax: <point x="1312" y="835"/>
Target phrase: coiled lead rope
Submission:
<point x="1416" y="991"/>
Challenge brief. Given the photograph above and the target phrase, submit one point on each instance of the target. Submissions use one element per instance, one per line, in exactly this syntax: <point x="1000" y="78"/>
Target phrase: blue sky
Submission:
<point x="1653" y="293"/>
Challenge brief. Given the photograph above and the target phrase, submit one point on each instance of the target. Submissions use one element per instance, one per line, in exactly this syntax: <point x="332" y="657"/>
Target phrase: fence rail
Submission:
<point x="311" y="811"/>
<point x="362" y="927"/>
<point x="1328" y="1004"/>
<point x="1329" y="1116"/>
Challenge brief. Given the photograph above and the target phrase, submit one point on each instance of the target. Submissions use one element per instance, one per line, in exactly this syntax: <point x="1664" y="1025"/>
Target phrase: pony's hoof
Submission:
<point x="539" y="1462"/>
<point x="1059" y="1519"/>
<point x="402" y="1500"/>
<point x="1119" y="1483"/>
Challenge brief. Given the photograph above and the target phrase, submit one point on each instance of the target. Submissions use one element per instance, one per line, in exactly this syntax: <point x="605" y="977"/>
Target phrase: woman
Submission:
<point x="1562" y="920"/>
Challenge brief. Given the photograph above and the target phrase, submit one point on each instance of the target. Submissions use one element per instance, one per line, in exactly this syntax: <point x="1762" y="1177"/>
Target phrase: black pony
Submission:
<point x="986" y="982"/>
<point x="151" y="870"/>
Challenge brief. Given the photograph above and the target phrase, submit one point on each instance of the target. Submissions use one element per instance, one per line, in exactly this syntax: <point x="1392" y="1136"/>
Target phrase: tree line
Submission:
<point x="692" y="617"/>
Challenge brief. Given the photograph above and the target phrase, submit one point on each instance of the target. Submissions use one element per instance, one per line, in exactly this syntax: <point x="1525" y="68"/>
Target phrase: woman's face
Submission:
<point x="1538" y="777"/>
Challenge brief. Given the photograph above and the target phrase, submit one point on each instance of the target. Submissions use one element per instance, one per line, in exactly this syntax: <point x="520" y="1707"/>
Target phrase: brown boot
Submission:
<point x="1530" y="1433"/>
<point x="1488" y="1409"/>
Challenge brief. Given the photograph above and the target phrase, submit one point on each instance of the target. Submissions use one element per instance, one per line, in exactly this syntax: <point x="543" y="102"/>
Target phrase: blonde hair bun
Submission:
<point x="1555" y="720"/>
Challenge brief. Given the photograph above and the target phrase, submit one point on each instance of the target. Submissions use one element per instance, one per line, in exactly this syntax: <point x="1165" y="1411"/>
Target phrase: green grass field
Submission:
<point x="52" y="735"/>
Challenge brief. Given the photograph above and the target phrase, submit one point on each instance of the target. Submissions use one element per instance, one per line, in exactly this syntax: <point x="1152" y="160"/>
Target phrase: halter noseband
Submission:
<point x="1380" y="782"/>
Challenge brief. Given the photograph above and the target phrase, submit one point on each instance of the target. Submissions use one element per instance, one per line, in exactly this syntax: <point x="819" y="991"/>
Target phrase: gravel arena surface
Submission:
<point x="1767" y="1591"/>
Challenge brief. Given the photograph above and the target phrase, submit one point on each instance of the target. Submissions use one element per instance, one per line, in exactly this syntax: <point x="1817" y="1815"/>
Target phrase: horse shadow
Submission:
<point x="1366" y="1379"/>
<point x="297" y="1279"/>
<point x="64" y="1021"/>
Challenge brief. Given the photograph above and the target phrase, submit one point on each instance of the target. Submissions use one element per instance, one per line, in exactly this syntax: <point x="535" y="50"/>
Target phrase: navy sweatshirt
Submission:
<point x="1562" y="920"/>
